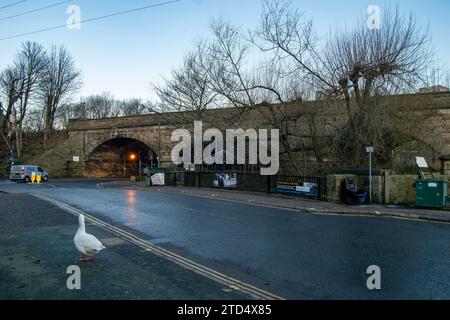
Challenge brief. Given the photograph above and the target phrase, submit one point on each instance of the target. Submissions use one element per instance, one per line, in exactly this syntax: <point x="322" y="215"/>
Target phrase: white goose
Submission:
<point x="86" y="244"/>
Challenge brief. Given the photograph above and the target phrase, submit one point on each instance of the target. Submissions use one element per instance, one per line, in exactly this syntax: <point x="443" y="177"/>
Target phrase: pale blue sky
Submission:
<point x="124" y="54"/>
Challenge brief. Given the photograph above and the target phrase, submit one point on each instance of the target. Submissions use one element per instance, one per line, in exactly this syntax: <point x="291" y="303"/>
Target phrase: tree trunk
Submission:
<point x="46" y="137"/>
<point x="18" y="133"/>
<point x="47" y="127"/>
<point x="288" y="149"/>
<point x="315" y="139"/>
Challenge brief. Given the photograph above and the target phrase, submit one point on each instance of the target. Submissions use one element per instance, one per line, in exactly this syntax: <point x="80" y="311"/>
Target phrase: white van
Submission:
<point x="23" y="173"/>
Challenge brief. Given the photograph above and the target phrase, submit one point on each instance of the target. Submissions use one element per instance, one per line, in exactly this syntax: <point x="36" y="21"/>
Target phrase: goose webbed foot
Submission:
<point x="85" y="259"/>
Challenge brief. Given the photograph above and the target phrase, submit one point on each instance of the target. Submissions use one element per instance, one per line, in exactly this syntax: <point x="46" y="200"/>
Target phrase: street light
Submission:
<point x="133" y="158"/>
<point x="140" y="165"/>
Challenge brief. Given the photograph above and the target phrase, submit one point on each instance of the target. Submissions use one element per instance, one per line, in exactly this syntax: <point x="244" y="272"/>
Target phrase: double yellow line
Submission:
<point x="179" y="260"/>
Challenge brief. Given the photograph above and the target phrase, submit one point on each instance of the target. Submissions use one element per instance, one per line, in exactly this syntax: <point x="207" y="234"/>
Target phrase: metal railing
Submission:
<point x="251" y="182"/>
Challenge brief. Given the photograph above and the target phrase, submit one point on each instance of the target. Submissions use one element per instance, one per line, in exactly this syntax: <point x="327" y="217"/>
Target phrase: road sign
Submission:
<point x="370" y="150"/>
<point x="76" y="159"/>
<point x="421" y="162"/>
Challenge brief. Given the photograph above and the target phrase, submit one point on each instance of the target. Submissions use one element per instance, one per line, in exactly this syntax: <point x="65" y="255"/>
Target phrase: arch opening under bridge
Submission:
<point x="120" y="158"/>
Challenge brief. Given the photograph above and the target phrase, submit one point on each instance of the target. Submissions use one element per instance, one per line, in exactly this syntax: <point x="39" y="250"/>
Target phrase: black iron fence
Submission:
<point x="256" y="183"/>
<point x="308" y="187"/>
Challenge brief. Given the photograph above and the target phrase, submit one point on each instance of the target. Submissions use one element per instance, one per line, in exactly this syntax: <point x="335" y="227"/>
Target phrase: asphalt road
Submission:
<point x="36" y="250"/>
<point x="291" y="254"/>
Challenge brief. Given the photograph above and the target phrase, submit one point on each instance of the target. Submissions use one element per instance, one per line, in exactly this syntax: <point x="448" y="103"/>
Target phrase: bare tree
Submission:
<point x="287" y="36"/>
<point x="438" y="74"/>
<point x="132" y="107"/>
<point x="77" y="110"/>
<point x="225" y="60"/>
<point x="357" y="66"/>
<point x="350" y="71"/>
<point x="31" y="62"/>
<point x="61" y="79"/>
<point x="11" y="89"/>
<point x="259" y="87"/>
<point x="188" y="90"/>
<point x="34" y="121"/>
<point x="214" y="75"/>
<point x="104" y="106"/>
<point x="101" y="106"/>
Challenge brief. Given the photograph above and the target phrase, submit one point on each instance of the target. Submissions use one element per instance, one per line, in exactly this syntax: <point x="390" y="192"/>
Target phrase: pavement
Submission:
<point x="285" y="252"/>
<point x="298" y="204"/>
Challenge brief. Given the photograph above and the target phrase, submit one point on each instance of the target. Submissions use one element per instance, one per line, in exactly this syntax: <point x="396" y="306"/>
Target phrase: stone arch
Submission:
<point x="92" y="142"/>
<point x="118" y="157"/>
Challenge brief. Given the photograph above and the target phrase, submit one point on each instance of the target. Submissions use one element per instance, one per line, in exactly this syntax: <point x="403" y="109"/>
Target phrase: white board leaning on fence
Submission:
<point x="158" y="179"/>
<point x="421" y="163"/>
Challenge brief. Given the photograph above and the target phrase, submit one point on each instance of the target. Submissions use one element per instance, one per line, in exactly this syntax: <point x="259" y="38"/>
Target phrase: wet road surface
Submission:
<point x="35" y="252"/>
<point x="292" y="254"/>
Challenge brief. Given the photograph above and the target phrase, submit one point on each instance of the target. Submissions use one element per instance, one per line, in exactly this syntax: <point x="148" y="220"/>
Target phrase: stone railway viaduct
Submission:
<point x="103" y="145"/>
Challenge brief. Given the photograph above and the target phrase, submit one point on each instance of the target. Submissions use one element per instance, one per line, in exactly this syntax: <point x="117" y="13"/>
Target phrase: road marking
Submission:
<point x="41" y="185"/>
<point x="112" y="242"/>
<point x="308" y="210"/>
<point x="181" y="261"/>
<point x="354" y="215"/>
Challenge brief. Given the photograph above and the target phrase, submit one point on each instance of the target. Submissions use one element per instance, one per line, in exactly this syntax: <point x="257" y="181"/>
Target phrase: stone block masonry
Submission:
<point x="155" y="130"/>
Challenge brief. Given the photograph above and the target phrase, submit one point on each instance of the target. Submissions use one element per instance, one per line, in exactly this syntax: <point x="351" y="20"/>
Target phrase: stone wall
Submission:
<point x="428" y="115"/>
<point x="155" y="130"/>
<point x="55" y="159"/>
<point x="387" y="189"/>
<point x="334" y="186"/>
<point x="401" y="189"/>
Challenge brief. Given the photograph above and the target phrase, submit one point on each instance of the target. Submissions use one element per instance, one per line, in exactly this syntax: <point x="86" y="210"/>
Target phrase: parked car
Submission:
<point x="22" y="173"/>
